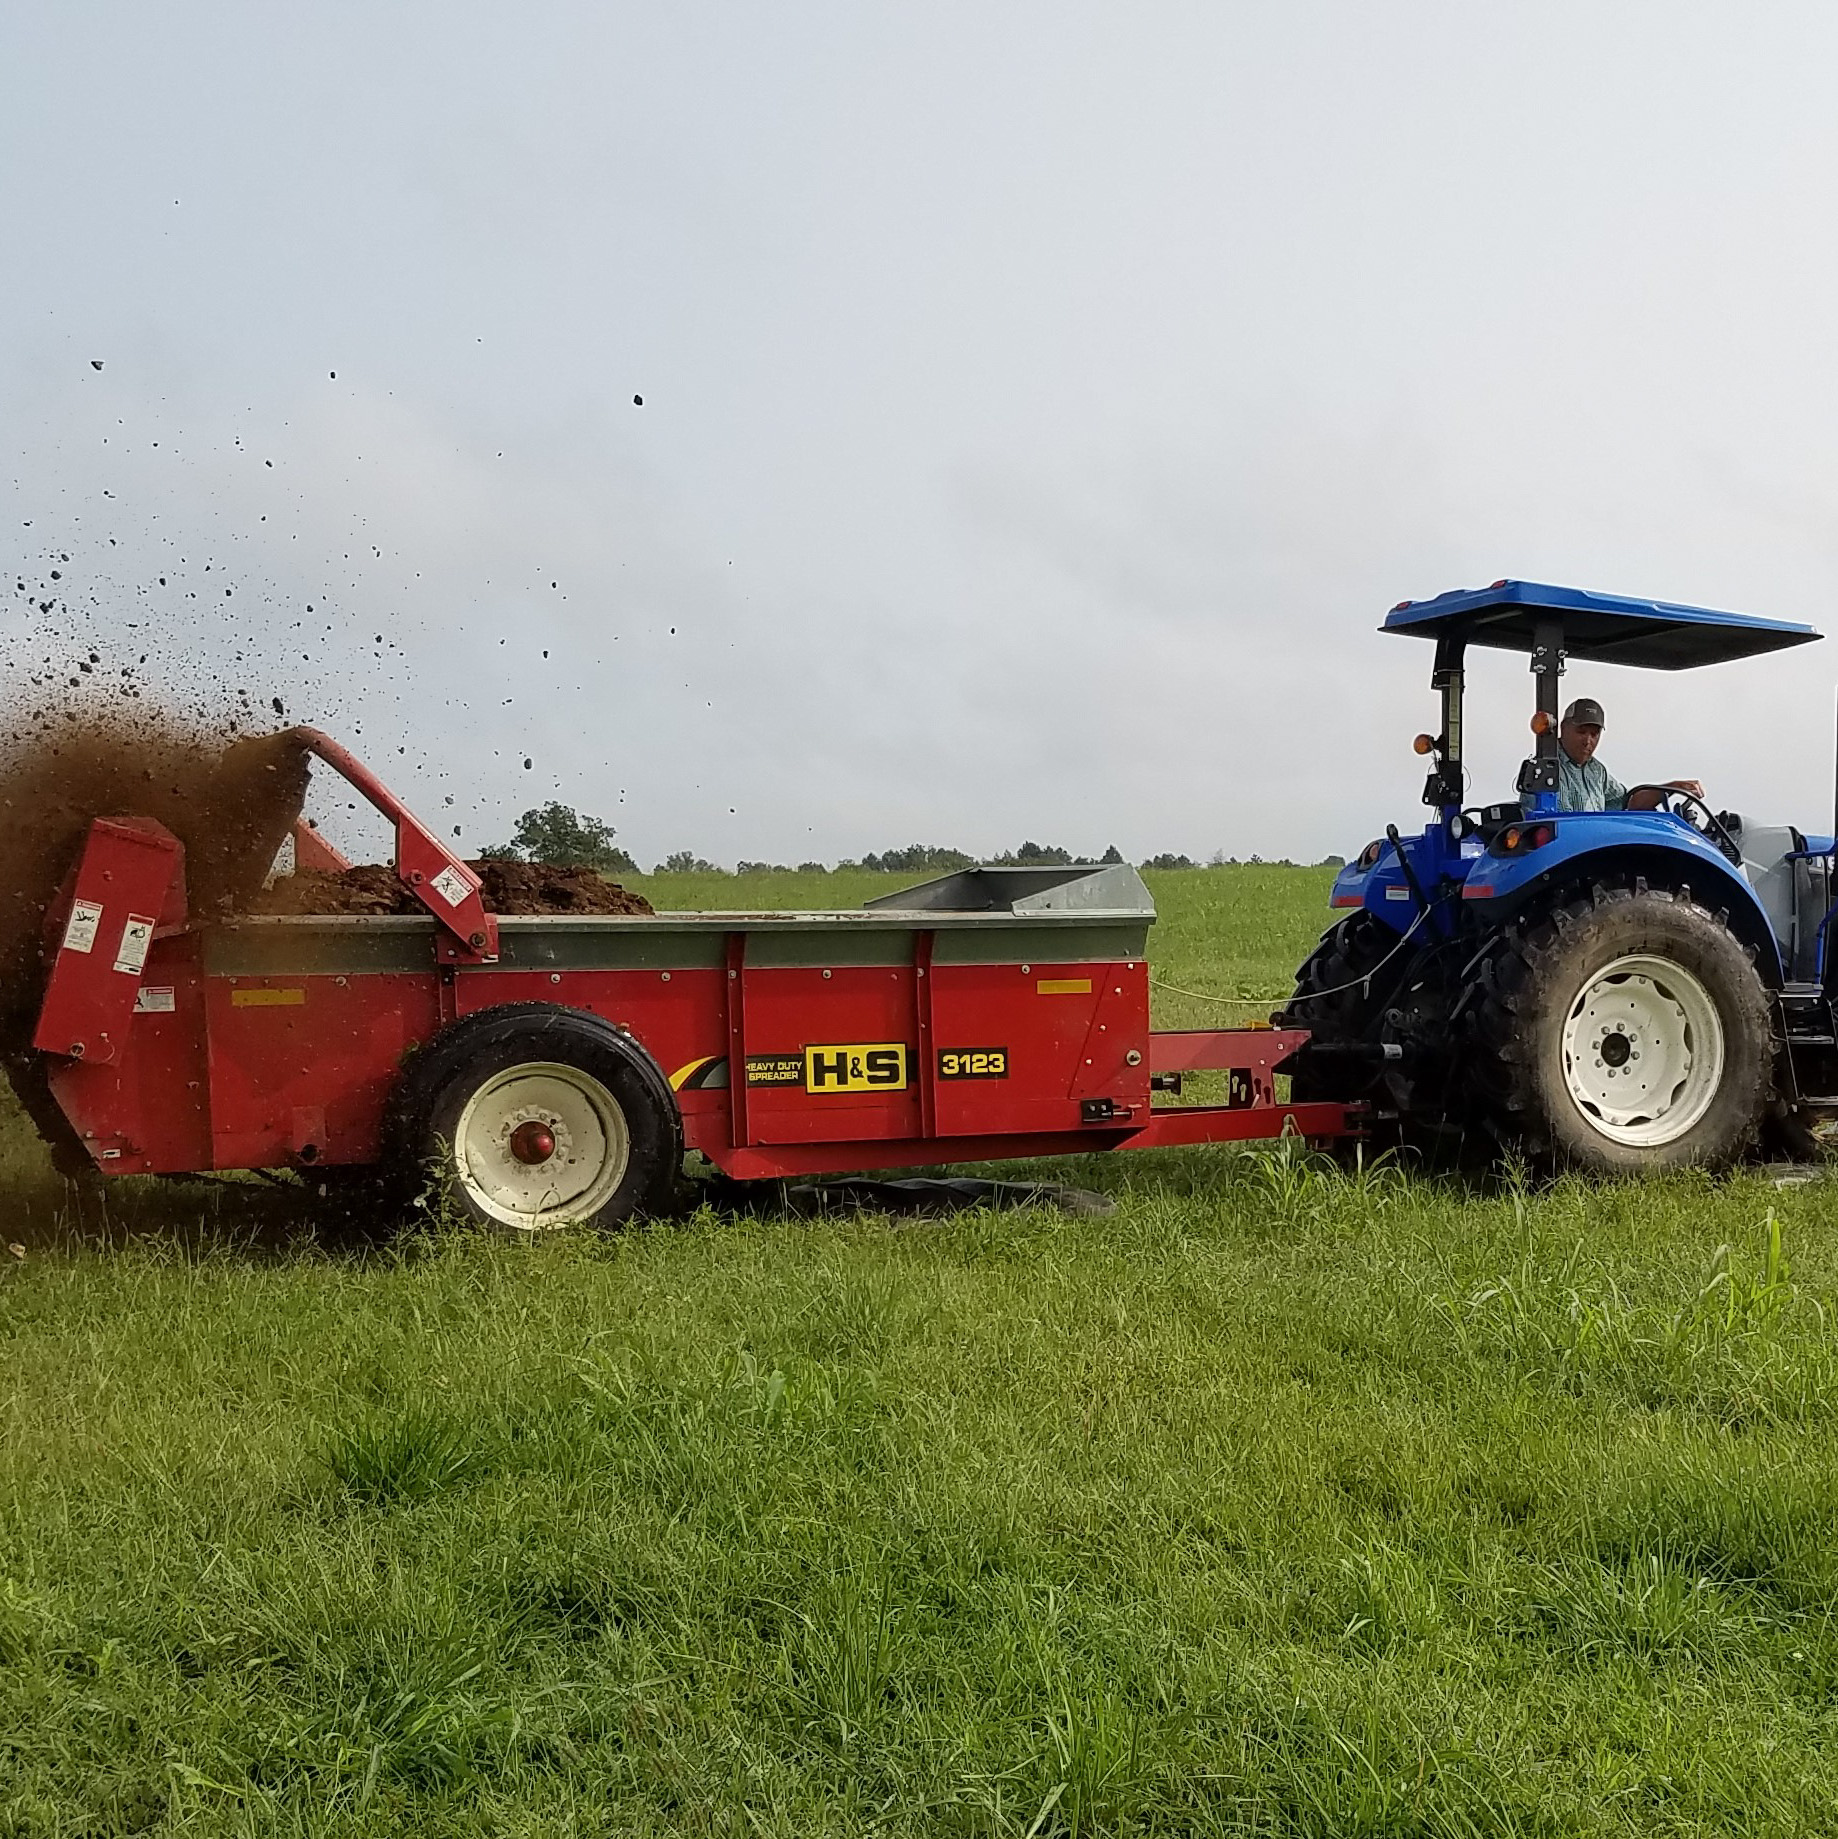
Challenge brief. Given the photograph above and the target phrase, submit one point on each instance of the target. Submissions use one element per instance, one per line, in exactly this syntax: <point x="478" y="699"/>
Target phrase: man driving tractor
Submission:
<point x="1584" y="783"/>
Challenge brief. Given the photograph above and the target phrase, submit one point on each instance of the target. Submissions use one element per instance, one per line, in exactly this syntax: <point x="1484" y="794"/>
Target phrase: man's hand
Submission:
<point x="1647" y="797"/>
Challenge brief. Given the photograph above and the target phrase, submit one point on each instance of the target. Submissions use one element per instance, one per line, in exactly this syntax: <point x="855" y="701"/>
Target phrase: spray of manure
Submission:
<point x="231" y="801"/>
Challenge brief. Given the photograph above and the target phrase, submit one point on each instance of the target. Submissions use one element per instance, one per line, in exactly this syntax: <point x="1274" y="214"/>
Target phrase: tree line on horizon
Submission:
<point x="558" y="834"/>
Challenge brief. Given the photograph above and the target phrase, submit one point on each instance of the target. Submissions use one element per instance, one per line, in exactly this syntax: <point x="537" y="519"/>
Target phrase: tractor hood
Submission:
<point x="1604" y="628"/>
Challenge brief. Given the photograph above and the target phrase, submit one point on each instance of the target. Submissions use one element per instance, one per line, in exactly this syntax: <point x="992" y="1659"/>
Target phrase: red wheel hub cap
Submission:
<point x="532" y="1142"/>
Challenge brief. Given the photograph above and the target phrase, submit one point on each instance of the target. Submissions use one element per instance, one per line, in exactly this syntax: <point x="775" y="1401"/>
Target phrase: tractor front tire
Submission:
<point x="1625" y="1031"/>
<point x="532" y="1116"/>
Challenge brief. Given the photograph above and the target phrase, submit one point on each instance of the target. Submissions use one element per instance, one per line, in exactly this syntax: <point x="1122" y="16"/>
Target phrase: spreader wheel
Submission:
<point x="533" y="1116"/>
<point x="1626" y="1031"/>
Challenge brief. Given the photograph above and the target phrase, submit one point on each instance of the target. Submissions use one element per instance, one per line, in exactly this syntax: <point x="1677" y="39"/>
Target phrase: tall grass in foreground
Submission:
<point x="1280" y="1502"/>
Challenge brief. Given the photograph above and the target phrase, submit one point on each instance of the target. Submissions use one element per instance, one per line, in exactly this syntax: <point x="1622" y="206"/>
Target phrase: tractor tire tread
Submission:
<point x="1511" y="1042"/>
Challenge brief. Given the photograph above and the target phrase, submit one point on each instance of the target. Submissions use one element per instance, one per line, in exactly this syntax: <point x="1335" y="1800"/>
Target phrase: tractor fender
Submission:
<point x="1500" y="887"/>
<point x="1382" y="888"/>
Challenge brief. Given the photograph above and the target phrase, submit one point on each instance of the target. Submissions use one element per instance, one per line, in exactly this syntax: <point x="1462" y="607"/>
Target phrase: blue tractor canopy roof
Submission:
<point x="1604" y="628"/>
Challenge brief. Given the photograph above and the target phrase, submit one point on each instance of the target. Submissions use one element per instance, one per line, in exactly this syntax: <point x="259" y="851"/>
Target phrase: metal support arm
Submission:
<point x="430" y="871"/>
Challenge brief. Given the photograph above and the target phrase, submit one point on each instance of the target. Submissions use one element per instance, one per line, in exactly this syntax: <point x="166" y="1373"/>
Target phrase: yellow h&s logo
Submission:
<point x="873" y="1066"/>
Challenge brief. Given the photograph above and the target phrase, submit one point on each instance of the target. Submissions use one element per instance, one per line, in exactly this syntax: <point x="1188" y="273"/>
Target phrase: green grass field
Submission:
<point x="1280" y="1502"/>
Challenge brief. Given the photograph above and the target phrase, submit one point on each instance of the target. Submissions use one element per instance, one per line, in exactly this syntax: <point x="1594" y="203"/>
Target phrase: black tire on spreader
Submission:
<point x="482" y="1054"/>
<point x="1543" y="967"/>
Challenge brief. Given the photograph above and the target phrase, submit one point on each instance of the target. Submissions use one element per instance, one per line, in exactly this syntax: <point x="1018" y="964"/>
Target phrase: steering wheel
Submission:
<point x="1695" y="812"/>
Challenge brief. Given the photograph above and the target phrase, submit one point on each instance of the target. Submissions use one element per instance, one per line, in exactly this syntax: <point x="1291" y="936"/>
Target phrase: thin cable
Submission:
<point x="1423" y="913"/>
<point x="1201" y="996"/>
<point x="1404" y="937"/>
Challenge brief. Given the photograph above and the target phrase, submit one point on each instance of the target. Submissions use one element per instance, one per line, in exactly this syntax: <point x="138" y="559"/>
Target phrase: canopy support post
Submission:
<point x="1547" y="673"/>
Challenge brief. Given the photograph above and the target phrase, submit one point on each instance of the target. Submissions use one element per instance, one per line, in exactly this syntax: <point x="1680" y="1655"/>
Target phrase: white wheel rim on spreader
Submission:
<point x="592" y="1145"/>
<point x="1643" y="1051"/>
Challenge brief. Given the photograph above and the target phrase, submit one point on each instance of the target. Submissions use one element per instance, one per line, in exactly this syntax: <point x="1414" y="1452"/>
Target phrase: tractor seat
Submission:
<point x="1791" y="890"/>
<point x="1765" y="849"/>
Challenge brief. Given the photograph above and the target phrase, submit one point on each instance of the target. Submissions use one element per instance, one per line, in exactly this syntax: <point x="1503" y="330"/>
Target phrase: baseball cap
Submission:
<point x="1586" y="712"/>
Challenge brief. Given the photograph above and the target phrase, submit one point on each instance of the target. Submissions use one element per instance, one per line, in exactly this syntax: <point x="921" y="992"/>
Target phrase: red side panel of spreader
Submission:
<point x="105" y="931"/>
<point x="148" y="1111"/>
<point x="301" y="1067"/>
<point x="1017" y="1046"/>
<point x="777" y="1070"/>
<point x="850" y="1055"/>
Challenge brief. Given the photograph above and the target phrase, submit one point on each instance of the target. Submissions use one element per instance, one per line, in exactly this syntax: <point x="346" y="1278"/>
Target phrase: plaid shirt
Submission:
<point x="1588" y="788"/>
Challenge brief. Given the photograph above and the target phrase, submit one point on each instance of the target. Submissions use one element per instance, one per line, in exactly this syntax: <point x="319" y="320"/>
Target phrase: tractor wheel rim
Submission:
<point x="1643" y="1051"/>
<point x="593" y="1146"/>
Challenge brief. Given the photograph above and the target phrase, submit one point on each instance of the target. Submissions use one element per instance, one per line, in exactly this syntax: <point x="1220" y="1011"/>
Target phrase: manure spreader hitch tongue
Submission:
<point x="553" y="1068"/>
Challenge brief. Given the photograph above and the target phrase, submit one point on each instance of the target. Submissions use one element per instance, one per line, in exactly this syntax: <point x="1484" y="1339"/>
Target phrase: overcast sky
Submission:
<point x="1042" y="404"/>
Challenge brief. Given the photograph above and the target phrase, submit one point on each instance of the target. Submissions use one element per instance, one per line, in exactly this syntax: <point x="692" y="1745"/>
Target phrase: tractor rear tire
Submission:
<point x="533" y="1116"/>
<point x="1625" y="1031"/>
<point x="1340" y="997"/>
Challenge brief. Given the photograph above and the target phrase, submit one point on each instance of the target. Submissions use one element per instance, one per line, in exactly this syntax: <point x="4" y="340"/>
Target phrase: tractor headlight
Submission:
<point x="1370" y="854"/>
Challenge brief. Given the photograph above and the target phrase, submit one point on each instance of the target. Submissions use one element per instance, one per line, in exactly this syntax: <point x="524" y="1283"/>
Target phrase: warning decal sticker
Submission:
<point x="450" y="887"/>
<point x="80" y="929"/>
<point x="136" y="936"/>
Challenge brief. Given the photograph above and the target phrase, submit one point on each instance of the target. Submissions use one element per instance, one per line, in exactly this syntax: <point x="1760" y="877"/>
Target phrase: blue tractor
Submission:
<point x="1609" y="990"/>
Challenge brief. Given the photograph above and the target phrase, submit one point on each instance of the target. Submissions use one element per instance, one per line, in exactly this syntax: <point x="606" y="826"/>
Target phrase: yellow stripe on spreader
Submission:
<point x="1063" y="986"/>
<point x="687" y="1072"/>
<point x="267" y="999"/>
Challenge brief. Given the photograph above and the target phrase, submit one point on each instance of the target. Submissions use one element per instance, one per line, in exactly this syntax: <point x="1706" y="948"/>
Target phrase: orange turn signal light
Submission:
<point x="1541" y="723"/>
<point x="1424" y="743"/>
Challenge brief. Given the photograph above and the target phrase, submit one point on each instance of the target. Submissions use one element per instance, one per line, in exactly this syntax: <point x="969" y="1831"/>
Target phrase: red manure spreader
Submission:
<point x="553" y="1069"/>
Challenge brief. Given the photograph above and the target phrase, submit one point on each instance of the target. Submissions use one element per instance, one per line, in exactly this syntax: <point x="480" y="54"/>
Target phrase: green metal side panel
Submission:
<point x="1069" y="941"/>
<point x="304" y="948"/>
<point x="679" y="941"/>
<point x="820" y="947"/>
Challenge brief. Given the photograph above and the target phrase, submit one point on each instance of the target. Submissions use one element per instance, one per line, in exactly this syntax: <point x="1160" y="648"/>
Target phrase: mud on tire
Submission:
<point x="1625" y="1030"/>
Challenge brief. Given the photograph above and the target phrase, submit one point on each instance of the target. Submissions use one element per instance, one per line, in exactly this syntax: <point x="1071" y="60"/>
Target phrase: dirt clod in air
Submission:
<point x="509" y="888"/>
